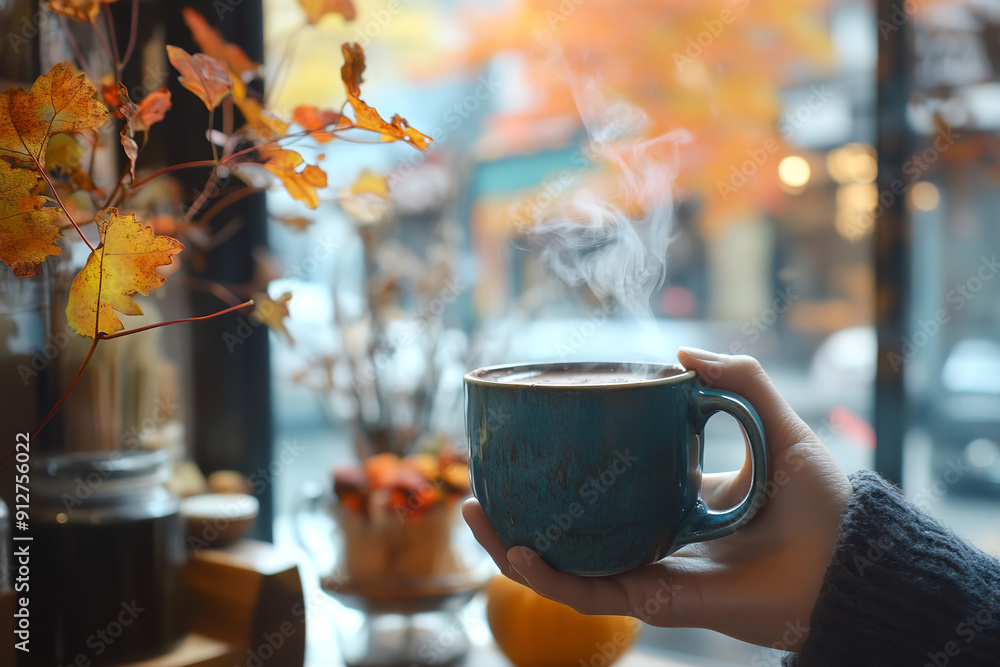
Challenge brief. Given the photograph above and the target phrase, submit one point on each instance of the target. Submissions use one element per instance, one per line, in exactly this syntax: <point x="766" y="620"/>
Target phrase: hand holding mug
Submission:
<point x="759" y="583"/>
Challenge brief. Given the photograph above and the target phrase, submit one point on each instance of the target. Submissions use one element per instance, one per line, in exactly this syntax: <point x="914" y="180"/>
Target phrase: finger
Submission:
<point x="723" y="490"/>
<point x="743" y="375"/>
<point x="661" y="593"/>
<point x="474" y="515"/>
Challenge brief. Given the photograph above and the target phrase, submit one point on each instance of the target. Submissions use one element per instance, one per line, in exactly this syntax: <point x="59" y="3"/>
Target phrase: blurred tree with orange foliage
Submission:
<point x="714" y="68"/>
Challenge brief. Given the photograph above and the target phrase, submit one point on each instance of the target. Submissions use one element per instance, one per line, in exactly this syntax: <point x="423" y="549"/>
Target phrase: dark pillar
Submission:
<point x="893" y="238"/>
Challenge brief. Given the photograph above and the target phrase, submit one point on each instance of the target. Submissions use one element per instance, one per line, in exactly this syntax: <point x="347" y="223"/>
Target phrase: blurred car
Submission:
<point x="964" y="418"/>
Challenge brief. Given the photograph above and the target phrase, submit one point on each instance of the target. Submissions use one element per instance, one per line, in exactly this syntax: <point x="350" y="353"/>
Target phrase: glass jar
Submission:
<point x="5" y="577"/>
<point x="107" y="559"/>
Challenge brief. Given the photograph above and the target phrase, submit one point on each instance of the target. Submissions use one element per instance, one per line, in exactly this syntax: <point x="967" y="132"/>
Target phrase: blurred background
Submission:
<point x="822" y="175"/>
<point x="811" y="182"/>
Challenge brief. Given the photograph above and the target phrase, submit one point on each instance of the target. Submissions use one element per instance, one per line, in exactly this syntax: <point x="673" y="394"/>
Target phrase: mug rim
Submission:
<point x="475" y="376"/>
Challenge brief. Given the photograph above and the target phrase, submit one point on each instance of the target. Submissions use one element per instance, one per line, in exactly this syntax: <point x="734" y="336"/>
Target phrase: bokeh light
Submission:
<point x="794" y="171"/>
<point x="924" y="196"/>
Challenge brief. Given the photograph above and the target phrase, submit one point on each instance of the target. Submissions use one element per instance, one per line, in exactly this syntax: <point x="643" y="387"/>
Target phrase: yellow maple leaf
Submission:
<point x="123" y="264"/>
<point x="57" y="102"/>
<point x="28" y="228"/>
<point x="273" y="312"/>
<point x="301" y="185"/>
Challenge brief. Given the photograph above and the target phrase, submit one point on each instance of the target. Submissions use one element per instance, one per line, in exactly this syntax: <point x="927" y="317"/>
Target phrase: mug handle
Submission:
<point x="706" y="524"/>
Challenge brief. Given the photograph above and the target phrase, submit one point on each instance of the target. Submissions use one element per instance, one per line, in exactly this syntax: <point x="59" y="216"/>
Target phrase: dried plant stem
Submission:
<point x="59" y="201"/>
<point x="133" y="31"/>
<point x="249" y="302"/>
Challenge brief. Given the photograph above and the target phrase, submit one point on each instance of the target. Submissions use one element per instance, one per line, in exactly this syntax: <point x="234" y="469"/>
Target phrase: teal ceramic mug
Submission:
<point x="598" y="466"/>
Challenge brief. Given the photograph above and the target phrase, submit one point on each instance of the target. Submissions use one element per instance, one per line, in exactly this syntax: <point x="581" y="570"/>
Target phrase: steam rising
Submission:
<point x="618" y="251"/>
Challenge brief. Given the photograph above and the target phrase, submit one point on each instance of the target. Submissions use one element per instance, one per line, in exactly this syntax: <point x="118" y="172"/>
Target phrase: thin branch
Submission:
<point x="211" y="128"/>
<point x="217" y="290"/>
<point x="287" y="55"/>
<point x="220" y="205"/>
<point x="203" y="196"/>
<point x="113" y="37"/>
<point x="174" y="167"/>
<point x="133" y="31"/>
<point x="227" y="116"/>
<point x="106" y="47"/>
<point x="72" y="42"/>
<point x="59" y="201"/>
<point x="62" y="399"/>
<point x="93" y="346"/>
<point x="118" y="186"/>
<point x="186" y="319"/>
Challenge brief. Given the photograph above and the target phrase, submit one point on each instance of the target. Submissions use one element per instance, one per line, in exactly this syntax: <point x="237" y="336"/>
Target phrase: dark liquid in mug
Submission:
<point x="576" y="377"/>
<point x="110" y="592"/>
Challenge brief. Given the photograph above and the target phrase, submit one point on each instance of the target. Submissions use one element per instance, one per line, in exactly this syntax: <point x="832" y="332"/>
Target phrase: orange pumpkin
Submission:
<point x="534" y="631"/>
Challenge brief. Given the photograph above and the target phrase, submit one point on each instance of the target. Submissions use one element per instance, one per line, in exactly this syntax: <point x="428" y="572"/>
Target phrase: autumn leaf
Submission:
<point x="211" y="43"/>
<point x="123" y="264"/>
<point x="273" y="312"/>
<point x="108" y="87"/>
<point x="368" y="182"/>
<point x="301" y="185"/>
<point x="78" y="10"/>
<point x="150" y="110"/>
<point x="57" y="102"/>
<point x="28" y="228"/>
<point x="317" y="9"/>
<point x="63" y="162"/>
<point x="296" y="223"/>
<point x="316" y="121"/>
<point x="139" y="118"/>
<point x="367" y="118"/>
<point x="131" y="148"/>
<point x="265" y="124"/>
<point x="367" y="200"/>
<point x="203" y="75"/>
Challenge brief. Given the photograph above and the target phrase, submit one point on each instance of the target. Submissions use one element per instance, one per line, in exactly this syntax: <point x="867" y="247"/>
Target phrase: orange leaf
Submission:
<point x="109" y="89"/>
<point x="273" y="312"/>
<point x="28" y="228"/>
<point x="315" y="121"/>
<point x="78" y="10"/>
<point x="317" y="9"/>
<point x="296" y="223"/>
<point x="203" y="75"/>
<point x="262" y="121"/>
<point x="139" y="117"/>
<point x="151" y="110"/>
<point x="366" y="117"/>
<point x="301" y="185"/>
<point x="57" y="102"/>
<point x="123" y="264"/>
<point x="211" y="43"/>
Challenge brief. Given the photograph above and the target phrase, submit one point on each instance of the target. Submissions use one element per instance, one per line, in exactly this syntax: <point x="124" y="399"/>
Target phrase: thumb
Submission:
<point x="744" y="375"/>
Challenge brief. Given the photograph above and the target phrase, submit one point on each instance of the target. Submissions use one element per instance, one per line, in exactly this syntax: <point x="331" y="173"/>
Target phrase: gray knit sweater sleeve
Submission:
<point x="902" y="590"/>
